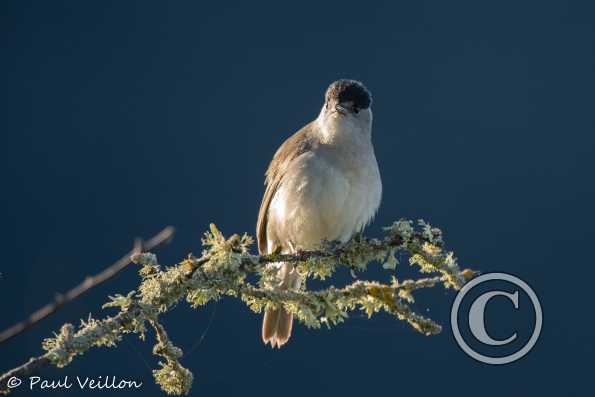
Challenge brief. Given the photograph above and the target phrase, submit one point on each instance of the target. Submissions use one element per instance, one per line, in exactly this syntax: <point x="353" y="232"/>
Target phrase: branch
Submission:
<point x="222" y="270"/>
<point x="164" y="236"/>
<point x="94" y="332"/>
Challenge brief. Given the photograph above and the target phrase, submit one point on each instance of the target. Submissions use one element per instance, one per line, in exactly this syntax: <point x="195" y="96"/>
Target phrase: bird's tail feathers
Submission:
<point x="277" y="323"/>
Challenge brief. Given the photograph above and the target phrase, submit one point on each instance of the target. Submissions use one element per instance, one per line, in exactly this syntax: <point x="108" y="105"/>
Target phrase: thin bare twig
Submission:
<point x="163" y="237"/>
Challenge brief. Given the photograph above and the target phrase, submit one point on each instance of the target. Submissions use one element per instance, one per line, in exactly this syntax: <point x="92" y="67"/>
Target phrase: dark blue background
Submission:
<point x="119" y="118"/>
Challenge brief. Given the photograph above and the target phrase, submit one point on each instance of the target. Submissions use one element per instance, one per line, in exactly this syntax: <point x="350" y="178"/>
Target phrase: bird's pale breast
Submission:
<point x="325" y="195"/>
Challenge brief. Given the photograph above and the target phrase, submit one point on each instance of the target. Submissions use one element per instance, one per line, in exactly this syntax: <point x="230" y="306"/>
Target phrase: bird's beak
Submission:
<point x="341" y="109"/>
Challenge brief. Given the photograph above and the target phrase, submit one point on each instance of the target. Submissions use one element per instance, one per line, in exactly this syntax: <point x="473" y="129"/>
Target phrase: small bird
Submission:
<point x="322" y="184"/>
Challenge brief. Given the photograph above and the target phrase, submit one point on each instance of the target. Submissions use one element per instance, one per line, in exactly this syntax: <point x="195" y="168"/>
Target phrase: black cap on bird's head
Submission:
<point x="348" y="95"/>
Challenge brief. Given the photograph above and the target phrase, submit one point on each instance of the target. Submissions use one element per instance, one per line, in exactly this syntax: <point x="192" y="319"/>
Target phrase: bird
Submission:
<point x="323" y="184"/>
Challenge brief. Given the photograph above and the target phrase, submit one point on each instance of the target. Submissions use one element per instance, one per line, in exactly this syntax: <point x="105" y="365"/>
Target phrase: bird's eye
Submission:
<point x="355" y="110"/>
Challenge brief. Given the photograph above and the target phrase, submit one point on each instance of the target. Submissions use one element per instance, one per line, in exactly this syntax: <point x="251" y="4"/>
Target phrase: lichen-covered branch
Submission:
<point x="222" y="270"/>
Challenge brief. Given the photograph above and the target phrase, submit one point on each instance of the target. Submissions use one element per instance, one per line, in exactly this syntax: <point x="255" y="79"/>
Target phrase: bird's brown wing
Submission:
<point x="296" y="145"/>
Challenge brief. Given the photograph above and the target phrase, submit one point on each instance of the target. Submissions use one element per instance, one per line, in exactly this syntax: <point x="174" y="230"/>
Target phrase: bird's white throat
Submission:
<point x="336" y="128"/>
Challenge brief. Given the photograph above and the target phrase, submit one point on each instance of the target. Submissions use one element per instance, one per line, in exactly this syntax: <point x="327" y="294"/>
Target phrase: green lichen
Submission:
<point x="172" y="376"/>
<point x="173" y="379"/>
<point x="223" y="268"/>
